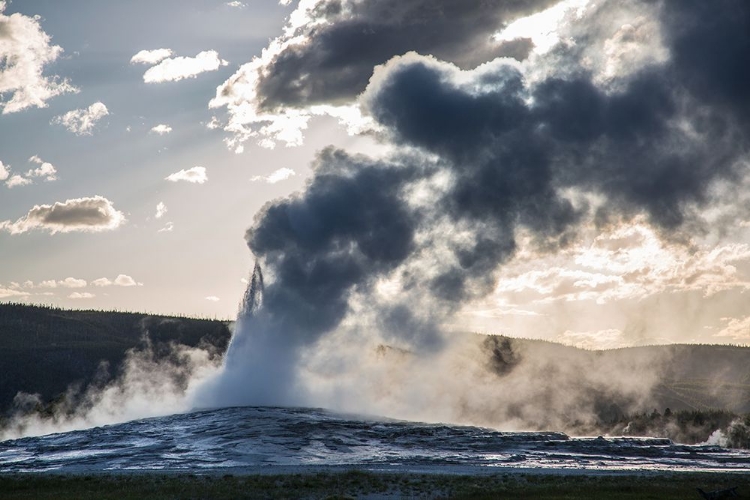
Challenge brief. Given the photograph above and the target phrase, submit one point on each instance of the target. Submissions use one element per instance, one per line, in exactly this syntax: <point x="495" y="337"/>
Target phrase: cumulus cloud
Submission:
<point x="161" y="209"/>
<point x="212" y="298"/>
<point x="25" y="50"/>
<point x="196" y="175"/>
<point x="82" y="121"/>
<point x="168" y="228"/>
<point x="161" y="129"/>
<point x="72" y="283"/>
<point x="174" y="69"/>
<point x="93" y="214"/>
<point x="121" y="280"/>
<point x="45" y="170"/>
<point x="150" y="56"/>
<point x="81" y="295"/>
<point x="9" y="293"/>
<point x="236" y="4"/>
<point x="16" y="180"/>
<point x="279" y="175"/>
<point x="125" y="280"/>
<point x="737" y="329"/>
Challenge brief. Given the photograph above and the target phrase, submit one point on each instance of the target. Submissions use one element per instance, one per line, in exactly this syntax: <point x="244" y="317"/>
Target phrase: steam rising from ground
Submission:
<point x="152" y="381"/>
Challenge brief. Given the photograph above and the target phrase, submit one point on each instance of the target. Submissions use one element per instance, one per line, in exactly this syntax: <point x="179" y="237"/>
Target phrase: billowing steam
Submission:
<point x="641" y="110"/>
<point x="368" y="264"/>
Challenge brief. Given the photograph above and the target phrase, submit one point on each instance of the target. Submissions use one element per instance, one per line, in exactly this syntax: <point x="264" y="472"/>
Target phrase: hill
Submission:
<point x="44" y="350"/>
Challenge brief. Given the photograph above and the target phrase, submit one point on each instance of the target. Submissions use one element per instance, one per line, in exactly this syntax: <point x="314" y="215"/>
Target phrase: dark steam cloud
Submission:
<point x="498" y="152"/>
<point x="349" y="38"/>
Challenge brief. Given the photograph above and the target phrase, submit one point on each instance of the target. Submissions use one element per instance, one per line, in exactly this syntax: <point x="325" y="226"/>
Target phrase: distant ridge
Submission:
<point x="43" y="350"/>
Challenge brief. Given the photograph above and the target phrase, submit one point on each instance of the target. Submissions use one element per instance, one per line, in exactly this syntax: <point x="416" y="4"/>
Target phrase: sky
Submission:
<point x="571" y="170"/>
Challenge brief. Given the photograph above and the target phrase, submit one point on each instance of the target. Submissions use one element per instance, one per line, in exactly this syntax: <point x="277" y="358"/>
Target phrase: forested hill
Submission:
<point x="43" y="350"/>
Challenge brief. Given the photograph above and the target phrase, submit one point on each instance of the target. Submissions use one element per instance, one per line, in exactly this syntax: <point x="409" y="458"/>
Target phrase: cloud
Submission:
<point x="161" y="209"/>
<point x="150" y="56"/>
<point x="6" y="293"/>
<point x="212" y="298"/>
<point x="125" y="280"/>
<point x="45" y="169"/>
<point x="279" y="175"/>
<point x="168" y="228"/>
<point x="737" y="329"/>
<point x="196" y="175"/>
<point x="121" y="280"/>
<point x="328" y="51"/>
<point x="81" y="295"/>
<point x="25" y="50"/>
<point x="82" y="121"/>
<point x="16" y="180"/>
<point x="178" y="68"/>
<point x="237" y="5"/>
<point x="161" y="129"/>
<point x="93" y="214"/>
<point x="72" y="283"/>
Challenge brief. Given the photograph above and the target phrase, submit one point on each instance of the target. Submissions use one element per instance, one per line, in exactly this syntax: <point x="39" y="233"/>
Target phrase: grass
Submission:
<point x="355" y="484"/>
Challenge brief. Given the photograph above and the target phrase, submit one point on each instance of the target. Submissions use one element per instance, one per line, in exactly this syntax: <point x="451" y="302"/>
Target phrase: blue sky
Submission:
<point x="139" y="141"/>
<point x="122" y="160"/>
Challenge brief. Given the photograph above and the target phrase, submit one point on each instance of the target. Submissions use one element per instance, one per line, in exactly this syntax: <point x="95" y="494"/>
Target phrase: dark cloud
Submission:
<point x="513" y="150"/>
<point x="337" y="61"/>
<point x="80" y="214"/>
<point x="710" y="49"/>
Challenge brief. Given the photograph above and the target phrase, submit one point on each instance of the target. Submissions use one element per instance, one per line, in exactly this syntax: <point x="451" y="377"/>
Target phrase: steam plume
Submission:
<point x="376" y="256"/>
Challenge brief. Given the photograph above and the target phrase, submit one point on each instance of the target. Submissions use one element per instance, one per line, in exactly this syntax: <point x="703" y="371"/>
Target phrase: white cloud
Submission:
<point x="125" y="280"/>
<point x="45" y="284"/>
<point x="279" y="175"/>
<point x="196" y="175"/>
<point x="17" y="180"/>
<point x="72" y="283"/>
<point x="168" y="228"/>
<point x="628" y="263"/>
<point x="121" y="280"/>
<point x="737" y="329"/>
<point x="150" y="56"/>
<point x="178" y="68"/>
<point x="212" y="298"/>
<point x="92" y="214"/>
<point x="6" y="293"/>
<point x="24" y="51"/>
<point x="45" y="169"/>
<point x="82" y="121"/>
<point x="81" y="295"/>
<point x="161" y="209"/>
<point x="161" y="129"/>
<point x="4" y="172"/>
<point x="237" y="5"/>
